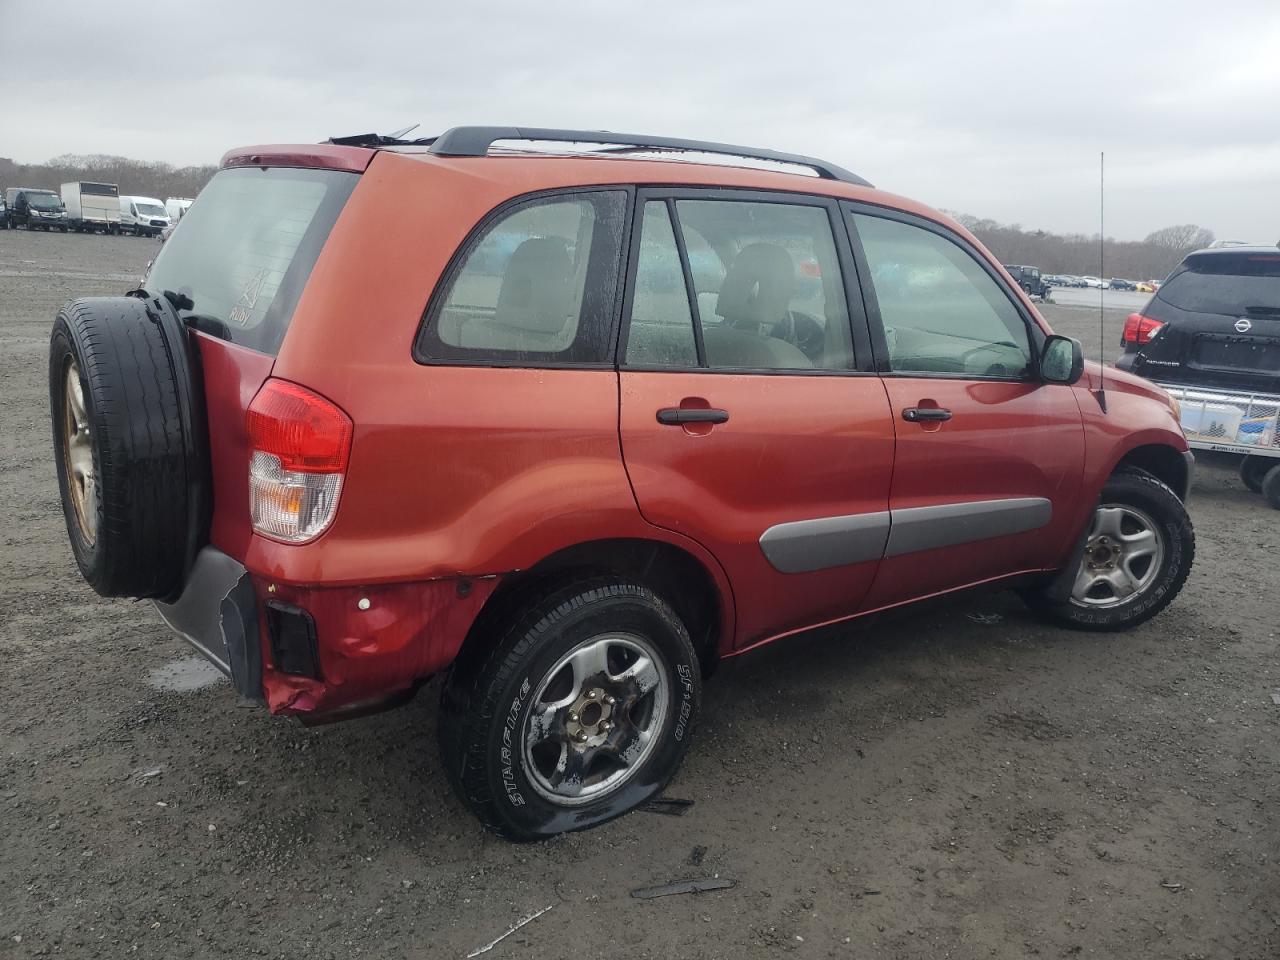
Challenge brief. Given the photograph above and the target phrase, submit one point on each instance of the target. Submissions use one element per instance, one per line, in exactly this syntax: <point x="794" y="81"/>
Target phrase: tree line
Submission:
<point x="134" y="177"/>
<point x="1151" y="258"/>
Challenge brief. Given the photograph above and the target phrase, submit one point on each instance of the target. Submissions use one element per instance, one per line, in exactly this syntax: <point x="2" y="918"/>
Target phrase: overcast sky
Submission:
<point x="993" y="108"/>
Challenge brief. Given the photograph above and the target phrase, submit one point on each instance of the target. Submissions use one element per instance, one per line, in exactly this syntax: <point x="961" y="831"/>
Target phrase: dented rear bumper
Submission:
<point x="316" y="651"/>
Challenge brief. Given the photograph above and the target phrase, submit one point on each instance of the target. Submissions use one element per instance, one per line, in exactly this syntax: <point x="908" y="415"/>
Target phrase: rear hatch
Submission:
<point x="235" y="269"/>
<point x="1216" y="323"/>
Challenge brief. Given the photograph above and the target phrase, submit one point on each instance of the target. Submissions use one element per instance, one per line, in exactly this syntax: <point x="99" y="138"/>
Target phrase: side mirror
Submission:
<point x="1061" y="360"/>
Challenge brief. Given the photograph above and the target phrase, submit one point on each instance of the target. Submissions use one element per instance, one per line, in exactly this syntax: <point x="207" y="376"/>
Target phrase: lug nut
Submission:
<point x="610" y="701"/>
<point x="594" y="695"/>
<point x="573" y="718"/>
<point x="580" y="737"/>
<point x="606" y="727"/>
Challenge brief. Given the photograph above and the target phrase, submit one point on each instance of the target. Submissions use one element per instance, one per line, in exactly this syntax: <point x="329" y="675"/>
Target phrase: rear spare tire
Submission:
<point x="128" y="439"/>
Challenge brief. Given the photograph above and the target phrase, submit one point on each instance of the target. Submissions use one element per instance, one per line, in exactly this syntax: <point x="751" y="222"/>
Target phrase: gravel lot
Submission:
<point x="939" y="785"/>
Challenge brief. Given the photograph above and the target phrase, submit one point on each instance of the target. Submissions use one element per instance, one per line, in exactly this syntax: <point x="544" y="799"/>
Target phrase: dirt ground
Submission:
<point x="962" y="782"/>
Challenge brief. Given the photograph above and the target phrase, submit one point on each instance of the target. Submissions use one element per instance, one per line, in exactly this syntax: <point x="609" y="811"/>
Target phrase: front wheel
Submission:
<point x="1137" y="556"/>
<point x="581" y="712"/>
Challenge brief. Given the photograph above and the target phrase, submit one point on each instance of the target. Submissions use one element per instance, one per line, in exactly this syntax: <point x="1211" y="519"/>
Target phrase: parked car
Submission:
<point x="142" y="216"/>
<point x="4" y="214"/>
<point x="1029" y="279"/>
<point x="1118" y="283"/>
<point x="1092" y="282"/>
<point x="577" y="480"/>
<point x="36" y="209"/>
<point x="92" y="206"/>
<point x="1211" y="335"/>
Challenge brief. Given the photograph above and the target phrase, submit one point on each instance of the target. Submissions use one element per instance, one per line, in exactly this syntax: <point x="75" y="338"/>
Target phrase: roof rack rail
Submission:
<point x="476" y="141"/>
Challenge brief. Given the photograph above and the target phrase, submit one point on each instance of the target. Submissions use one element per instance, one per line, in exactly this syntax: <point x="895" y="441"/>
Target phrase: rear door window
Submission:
<point x="1233" y="285"/>
<point x="535" y="286"/>
<point x="246" y="249"/>
<point x="764" y="289"/>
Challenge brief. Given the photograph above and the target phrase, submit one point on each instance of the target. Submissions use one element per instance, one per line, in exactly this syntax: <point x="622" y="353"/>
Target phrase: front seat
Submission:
<point x="753" y="301"/>
<point x="533" y="302"/>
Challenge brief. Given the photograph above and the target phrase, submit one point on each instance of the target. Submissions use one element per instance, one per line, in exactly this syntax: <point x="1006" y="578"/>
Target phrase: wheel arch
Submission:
<point x="1166" y="463"/>
<point x="682" y="579"/>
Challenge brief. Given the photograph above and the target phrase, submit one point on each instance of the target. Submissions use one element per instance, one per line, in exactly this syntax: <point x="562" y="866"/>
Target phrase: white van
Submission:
<point x="175" y="207"/>
<point x="144" y="216"/>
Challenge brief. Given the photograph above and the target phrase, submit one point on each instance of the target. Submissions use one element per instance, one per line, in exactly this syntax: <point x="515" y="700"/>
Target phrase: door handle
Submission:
<point x="925" y="414"/>
<point x="675" y="416"/>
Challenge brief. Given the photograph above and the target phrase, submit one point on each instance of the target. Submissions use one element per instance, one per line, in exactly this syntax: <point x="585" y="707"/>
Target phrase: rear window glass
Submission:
<point x="536" y="286"/>
<point x="246" y="248"/>
<point x="1235" y="285"/>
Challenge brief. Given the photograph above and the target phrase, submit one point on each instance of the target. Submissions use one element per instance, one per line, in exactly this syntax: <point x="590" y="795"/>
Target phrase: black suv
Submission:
<point x="1029" y="279"/>
<point x="1211" y="336"/>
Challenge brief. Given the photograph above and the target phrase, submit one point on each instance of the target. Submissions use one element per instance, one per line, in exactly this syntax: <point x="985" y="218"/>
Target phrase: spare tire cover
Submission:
<point x="129" y="441"/>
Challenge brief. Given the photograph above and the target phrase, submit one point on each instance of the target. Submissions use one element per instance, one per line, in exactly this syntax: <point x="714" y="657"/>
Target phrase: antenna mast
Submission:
<point x="1102" y="275"/>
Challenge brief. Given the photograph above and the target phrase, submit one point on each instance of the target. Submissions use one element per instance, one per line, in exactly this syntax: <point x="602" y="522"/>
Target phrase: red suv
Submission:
<point x="570" y="426"/>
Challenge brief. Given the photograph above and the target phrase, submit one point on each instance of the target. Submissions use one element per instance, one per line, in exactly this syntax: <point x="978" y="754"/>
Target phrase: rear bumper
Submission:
<point x="217" y="614"/>
<point x="314" y="650"/>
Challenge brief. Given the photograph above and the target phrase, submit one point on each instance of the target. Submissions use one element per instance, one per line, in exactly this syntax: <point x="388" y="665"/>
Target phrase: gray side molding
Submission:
<point x="950" y="524"/>
<point x="803" y="546"/>
<point x="807" y="545"/>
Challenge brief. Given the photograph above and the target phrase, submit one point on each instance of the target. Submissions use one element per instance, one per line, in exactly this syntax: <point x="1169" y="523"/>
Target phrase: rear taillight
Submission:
<point x="299" y="446"/>
<point x="1140" y="329"/>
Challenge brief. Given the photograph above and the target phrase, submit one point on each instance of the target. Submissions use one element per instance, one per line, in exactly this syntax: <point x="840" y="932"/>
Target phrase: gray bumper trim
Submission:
<point x="197" y="613"/>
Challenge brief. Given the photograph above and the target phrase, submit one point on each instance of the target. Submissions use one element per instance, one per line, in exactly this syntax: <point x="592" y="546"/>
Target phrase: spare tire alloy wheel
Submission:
<point x="77" y="451"/>
<point x="129" y="445"/>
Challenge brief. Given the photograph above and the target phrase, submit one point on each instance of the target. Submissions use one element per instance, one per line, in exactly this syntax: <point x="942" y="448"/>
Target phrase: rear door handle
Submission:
<point x="925" y="414"/>
<point x="675" y="416"/>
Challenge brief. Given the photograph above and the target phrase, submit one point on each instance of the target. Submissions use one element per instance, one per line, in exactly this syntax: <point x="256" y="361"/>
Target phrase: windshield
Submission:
<point x="244" y="253"/>
<point x="44" y="201"/>
<point x="1229" y="284"/>
<point x="150" y="209"/>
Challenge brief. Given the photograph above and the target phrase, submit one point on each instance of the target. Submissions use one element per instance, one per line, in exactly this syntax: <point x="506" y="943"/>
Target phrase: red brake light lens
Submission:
<point x="299" y="447"/>
<point x="304" y="430"/>
<point x="1139" y="329"/>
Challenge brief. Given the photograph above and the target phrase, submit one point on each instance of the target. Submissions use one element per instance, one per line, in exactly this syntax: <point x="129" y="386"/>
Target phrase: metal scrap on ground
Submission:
<point x="669" y="806"/>
<point x="700" y="885"/>
<point x="516" y="926"/>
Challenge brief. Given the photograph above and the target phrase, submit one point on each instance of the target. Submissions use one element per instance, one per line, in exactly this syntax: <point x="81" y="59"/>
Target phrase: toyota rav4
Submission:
<point x="568" y="424"/>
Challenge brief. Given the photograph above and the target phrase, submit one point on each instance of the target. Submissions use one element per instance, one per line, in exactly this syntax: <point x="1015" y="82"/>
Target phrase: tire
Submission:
<point x="1271" y="486"/>
<point x="1130" y="500"/>
<point x="1253" y="469"/>
<point x="489" y="740"/>
<point x="128" y="444"/>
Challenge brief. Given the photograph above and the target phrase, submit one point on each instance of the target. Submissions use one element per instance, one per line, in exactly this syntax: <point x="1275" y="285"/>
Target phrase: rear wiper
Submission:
<point x="179" y="301"/>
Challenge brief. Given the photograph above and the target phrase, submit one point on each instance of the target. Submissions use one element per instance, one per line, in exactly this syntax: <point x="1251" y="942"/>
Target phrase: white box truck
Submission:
<point x="143" y="216"/>
<point x="92" y="206"/>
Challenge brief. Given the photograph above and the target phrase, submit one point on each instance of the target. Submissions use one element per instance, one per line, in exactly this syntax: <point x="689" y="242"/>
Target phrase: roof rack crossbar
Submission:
<point x="476" y="141"/>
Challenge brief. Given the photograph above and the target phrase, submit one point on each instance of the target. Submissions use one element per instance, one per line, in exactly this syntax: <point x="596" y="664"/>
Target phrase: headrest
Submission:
<point x="536" y="287"/>
<point x="757" y="288"/>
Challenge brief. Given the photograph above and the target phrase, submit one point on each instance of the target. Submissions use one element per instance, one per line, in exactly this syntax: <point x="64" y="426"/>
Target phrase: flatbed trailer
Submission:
<point x="1239" y="422"/>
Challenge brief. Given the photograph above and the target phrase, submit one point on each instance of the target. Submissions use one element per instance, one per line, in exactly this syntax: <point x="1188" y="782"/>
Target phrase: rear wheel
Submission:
<point x="1254" y="469"/>
<point x="1137" y="556"/>
<point x="1271" y="487"/>
<point x="581" y="712"/>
